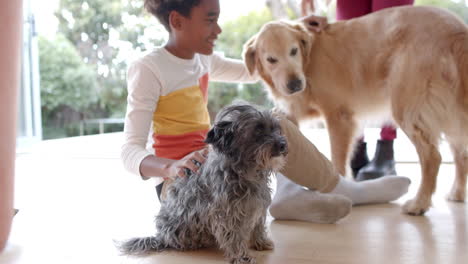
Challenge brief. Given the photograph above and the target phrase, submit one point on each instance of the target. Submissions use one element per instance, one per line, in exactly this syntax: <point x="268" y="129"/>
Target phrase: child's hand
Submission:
<point x="191" y="162"/>
<point x="315" y="23"/>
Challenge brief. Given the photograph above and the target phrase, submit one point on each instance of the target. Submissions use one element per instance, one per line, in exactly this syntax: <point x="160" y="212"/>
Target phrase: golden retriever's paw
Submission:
<point x="263" y="244"/>
<point x="457" y="195"/>
<point x="416" y="207"/>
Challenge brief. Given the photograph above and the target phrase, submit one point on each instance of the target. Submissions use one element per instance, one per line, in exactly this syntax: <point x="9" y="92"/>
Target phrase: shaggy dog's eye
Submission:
<point x="272" y="60"/>
<point x="293" y="52"/>
<point x="260" y="128"/>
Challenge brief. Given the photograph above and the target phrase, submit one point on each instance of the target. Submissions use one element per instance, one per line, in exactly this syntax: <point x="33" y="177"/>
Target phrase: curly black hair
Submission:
<point x="162" y="8"/>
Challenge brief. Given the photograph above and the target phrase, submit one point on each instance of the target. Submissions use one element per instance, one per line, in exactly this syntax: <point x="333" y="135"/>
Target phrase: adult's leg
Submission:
<point x="10" y="30"/>
<point x="346" y="9"/>
<point x="383" y="162"/>
<point x="359" y="158"/>
<point x="308" y="172"/>
<point x="381" y="4"/>
<point x="294" y="202"/>
<point x="307" y="167"/>
<point x="381" y="190"/>
<point x="388" y="132"/>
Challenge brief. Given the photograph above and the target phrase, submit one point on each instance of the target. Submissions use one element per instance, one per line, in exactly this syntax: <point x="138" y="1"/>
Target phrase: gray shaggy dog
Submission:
<point x="225" y="205"/>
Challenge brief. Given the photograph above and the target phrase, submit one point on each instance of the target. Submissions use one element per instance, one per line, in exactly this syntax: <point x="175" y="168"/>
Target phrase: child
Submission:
<point x="167" y="90"/>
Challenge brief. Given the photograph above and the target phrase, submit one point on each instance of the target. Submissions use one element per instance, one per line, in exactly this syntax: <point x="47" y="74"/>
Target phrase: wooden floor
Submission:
<point x="75" y="199"/>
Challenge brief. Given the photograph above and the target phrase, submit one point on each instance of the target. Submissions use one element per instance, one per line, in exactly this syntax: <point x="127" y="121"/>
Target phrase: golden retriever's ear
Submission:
<point x="249" y="54"/>
<point x="306" y="38"/>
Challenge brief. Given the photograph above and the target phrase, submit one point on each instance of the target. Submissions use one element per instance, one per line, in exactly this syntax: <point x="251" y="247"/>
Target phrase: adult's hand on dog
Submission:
<point x="315" y="23"/>
<point x="192" y="162"/>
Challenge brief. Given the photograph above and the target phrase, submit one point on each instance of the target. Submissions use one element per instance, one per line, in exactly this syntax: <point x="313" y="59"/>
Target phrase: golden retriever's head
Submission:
<point x="279" y="53"/>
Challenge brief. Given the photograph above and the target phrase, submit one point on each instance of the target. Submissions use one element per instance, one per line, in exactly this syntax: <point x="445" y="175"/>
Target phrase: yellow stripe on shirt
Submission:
<point x="180" y="112"/>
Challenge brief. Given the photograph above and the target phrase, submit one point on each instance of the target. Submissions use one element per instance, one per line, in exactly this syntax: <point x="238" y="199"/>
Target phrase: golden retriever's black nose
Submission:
<point x="295" y="85"/>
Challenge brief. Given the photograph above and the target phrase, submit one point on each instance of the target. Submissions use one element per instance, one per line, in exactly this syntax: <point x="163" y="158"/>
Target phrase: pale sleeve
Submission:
<point x="230" y="70"/>
<point x="144" y="88"/>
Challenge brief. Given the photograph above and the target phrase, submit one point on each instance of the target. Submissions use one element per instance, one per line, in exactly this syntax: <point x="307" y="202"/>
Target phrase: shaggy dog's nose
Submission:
<point x="281" y="148"/>
<point x="295" y="85"/>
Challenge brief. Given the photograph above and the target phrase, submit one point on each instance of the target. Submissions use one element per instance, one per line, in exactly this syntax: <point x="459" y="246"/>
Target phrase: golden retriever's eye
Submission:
<point x="272" y="60"/>
<point x="293" y="52"/>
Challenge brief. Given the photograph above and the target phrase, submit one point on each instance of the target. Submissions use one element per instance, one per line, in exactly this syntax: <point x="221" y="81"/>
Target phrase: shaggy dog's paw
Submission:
<point x="416" y="207"/>
<point x="457" y="195"/>
<point x="243" y="260"/>
<point x="263" y="244"/>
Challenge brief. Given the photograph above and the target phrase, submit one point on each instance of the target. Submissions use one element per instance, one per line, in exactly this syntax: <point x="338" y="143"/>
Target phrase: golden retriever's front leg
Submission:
<point x="342" y="129"/>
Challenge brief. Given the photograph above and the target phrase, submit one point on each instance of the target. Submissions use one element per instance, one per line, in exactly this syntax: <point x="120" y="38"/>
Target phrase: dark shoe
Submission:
<point x="382" y="164"/>
<point x="360" y="158"/>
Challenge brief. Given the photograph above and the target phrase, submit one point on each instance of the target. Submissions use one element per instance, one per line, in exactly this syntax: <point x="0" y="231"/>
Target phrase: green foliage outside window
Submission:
<point x="68" y="85"/>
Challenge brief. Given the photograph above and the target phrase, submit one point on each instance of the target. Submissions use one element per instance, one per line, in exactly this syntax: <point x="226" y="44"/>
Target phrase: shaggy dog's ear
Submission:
<point x="220" y="136"/>
<point x="249" y="54"/>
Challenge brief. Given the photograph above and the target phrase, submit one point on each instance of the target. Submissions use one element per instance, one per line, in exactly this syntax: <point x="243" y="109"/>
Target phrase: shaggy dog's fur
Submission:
<point x="226" y="204"/>
<point x="409" y="63"/>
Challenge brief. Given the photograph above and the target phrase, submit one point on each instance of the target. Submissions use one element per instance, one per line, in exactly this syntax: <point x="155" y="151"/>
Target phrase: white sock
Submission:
<point x="293" y="202"/>
<point x="381" y="190"/>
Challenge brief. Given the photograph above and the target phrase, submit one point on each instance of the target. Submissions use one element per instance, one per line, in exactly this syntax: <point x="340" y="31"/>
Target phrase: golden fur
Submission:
<point x="409" y="63"/>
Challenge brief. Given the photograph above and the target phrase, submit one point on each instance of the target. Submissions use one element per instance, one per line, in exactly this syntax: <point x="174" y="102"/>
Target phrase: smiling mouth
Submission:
<point x="212" y="42"/>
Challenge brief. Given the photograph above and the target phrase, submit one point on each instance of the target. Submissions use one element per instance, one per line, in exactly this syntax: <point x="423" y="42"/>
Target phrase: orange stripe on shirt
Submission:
<point x="204" y="86"/>
<point x="179" y="146"/>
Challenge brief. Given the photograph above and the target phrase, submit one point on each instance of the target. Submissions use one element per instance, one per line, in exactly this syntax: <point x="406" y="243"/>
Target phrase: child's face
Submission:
<point x="201" y="28"/>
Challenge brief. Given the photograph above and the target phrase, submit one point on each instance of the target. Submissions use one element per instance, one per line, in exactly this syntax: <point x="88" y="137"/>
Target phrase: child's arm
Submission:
<point x="141" y="102"/>
<point x="230" y="70"/>
<point x="153" y="166"/>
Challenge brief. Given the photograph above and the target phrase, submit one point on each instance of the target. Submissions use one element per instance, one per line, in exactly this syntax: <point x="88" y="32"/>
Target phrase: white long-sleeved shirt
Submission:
<point x="158" y="75"/>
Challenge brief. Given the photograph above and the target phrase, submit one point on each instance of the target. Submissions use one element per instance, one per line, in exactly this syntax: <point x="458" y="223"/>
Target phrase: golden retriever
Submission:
<point x="410" y="63"/>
